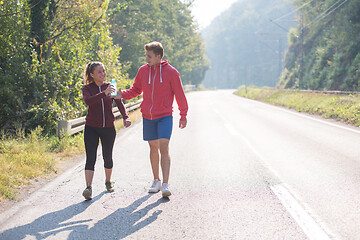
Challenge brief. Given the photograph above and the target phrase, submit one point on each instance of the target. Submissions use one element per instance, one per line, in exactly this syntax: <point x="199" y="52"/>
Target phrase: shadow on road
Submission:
<point x="123" y="222"/>
<point x="50" y="223"/>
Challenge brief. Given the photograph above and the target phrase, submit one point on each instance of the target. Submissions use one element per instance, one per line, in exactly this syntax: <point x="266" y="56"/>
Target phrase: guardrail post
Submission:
<point x="64" y="128"/>
<point x="189" y="87"/>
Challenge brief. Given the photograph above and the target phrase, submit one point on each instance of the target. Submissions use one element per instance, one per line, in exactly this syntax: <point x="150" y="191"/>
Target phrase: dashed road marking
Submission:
<point x="303" y="219"/>
<point x="299" y="214"/>
<point x="232" y="130"/>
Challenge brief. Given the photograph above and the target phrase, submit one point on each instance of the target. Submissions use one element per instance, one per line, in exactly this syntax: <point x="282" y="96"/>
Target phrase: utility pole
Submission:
<point x="280" y="59"/>
<point x="286" y="30"/>
<point x="278" y="52"/>
<point x="246" y="76"/>
<point x="301" y="73"/>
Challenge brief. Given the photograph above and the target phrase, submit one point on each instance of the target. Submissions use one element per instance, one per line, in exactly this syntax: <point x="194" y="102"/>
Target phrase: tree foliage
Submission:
<point x="14" y="61"/>
<point x="43" y="82"/>
<point x="169" y="22"/>
<point x="326" y="55"/>
<point x="46" y="44"/>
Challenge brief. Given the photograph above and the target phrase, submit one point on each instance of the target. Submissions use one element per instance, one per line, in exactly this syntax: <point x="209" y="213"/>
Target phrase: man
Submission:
<point x="159" y="82"/>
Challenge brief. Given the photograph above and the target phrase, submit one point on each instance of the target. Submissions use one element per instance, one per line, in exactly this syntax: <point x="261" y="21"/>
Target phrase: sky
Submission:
<point x="204" y="11"/>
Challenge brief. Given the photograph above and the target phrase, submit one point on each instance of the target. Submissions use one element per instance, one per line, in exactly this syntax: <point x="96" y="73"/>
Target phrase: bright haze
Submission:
<point x="204" y="11"/>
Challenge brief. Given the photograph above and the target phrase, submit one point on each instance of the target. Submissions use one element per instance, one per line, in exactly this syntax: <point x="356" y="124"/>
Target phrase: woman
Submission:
<point x="99" y="123"/>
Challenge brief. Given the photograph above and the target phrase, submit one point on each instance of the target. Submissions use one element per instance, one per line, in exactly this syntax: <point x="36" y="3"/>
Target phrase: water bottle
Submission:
<point x="113" y="83"/>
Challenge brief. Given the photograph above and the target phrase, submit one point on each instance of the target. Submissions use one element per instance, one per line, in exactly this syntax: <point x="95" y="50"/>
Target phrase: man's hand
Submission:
<point x="118" y="95"/>
<point x="182" y="124"/>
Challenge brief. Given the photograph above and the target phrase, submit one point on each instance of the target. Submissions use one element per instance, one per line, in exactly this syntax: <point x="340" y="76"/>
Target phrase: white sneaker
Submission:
<point x="155" y="187"/>
<point x="165" y="190"/>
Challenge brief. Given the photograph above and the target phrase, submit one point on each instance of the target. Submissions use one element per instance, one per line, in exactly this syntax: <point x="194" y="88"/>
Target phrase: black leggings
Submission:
<point x="91" y="139"/>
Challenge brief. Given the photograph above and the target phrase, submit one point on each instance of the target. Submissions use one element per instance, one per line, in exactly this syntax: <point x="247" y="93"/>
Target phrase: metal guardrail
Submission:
<point x="70" y="127"/>
<point x="326" y="92"/>
<point x="189" y="87"/>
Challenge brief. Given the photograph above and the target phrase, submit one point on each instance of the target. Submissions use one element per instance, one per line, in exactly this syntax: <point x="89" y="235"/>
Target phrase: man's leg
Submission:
<point x="154" y="158"/>
<point x="165" y="158"/>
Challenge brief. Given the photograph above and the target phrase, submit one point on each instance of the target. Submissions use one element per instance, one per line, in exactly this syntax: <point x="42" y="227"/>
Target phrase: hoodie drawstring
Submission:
<point x="160" y="74"/>
<point x="154" y="76"/>
<point x="150" y="76"/>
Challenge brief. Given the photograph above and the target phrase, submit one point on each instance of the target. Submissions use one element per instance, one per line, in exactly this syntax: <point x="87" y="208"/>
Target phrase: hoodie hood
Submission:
<point x="160" y="65"/>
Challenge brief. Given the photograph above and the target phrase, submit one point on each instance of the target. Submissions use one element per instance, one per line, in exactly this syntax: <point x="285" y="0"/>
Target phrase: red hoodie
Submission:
<point x="159" y="84"/>
<point x="100" y="112"/>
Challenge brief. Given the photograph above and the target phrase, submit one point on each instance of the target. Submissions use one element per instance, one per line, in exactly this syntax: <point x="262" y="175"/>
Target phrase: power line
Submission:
<point x="326" y="12"/>
<point x="297" y="9"/>
<point x="318" y="18"/>
<point x="283" y="28"/>
<point x="323" y="13"/>
<point x="26" y="9"/>
<point x="302" y="6"/>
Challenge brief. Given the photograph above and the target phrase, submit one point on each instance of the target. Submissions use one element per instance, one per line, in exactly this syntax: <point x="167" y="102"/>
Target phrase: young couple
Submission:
<point x="159" y="82"/>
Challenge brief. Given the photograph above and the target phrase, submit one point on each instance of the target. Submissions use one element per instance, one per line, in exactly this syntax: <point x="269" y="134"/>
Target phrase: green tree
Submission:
<point x="44" y="86"/>
<point x="325" y="55"/>
<point x="169" y="22"/>
<point x="14" y="61"/>
<point x="46" y="45"/>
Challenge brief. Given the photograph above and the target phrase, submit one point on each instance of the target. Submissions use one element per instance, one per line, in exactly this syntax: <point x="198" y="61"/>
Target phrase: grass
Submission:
<point x="134" y="116"/>
<point x="26" y="158"/>
<point x="341" y="107"/>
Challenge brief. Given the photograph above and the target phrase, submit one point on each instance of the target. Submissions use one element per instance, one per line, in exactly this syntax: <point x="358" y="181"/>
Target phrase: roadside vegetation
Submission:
<point x="341" y="107"/>
<point x="323" y="49"/>
<point x="24" y="158"/>
<point x="43" y="58"/>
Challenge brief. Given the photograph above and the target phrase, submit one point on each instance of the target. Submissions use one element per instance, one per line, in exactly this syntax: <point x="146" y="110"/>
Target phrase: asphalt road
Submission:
<point x="240" y="170"/>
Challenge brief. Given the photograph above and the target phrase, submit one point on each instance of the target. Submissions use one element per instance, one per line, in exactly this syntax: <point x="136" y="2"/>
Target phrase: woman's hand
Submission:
<point x="127" y="123"/>
<point x="109" y="90"/>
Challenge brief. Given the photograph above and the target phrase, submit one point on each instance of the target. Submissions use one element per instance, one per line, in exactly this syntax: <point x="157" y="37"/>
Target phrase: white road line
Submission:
<point x="261" y="159"/>
<point x="303" y="115"/>
<point x="216" y="111"/>
<point x="322" y="121"/>
<point x="308" y="225"/>
<point x="303" y="219"/>
<point x="231" y="129"/>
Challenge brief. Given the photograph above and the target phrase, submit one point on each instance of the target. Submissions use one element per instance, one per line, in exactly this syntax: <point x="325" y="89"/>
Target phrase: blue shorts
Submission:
<point x="157" y="128"/>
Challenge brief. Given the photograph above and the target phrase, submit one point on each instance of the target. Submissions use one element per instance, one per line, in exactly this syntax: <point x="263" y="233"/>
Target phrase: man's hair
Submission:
<point x="156" y="47"/>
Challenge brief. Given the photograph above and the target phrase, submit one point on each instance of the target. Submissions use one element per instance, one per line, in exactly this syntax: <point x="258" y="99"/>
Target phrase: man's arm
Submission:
<point x="180" y="99"/>
<point x="135" y="90"/>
